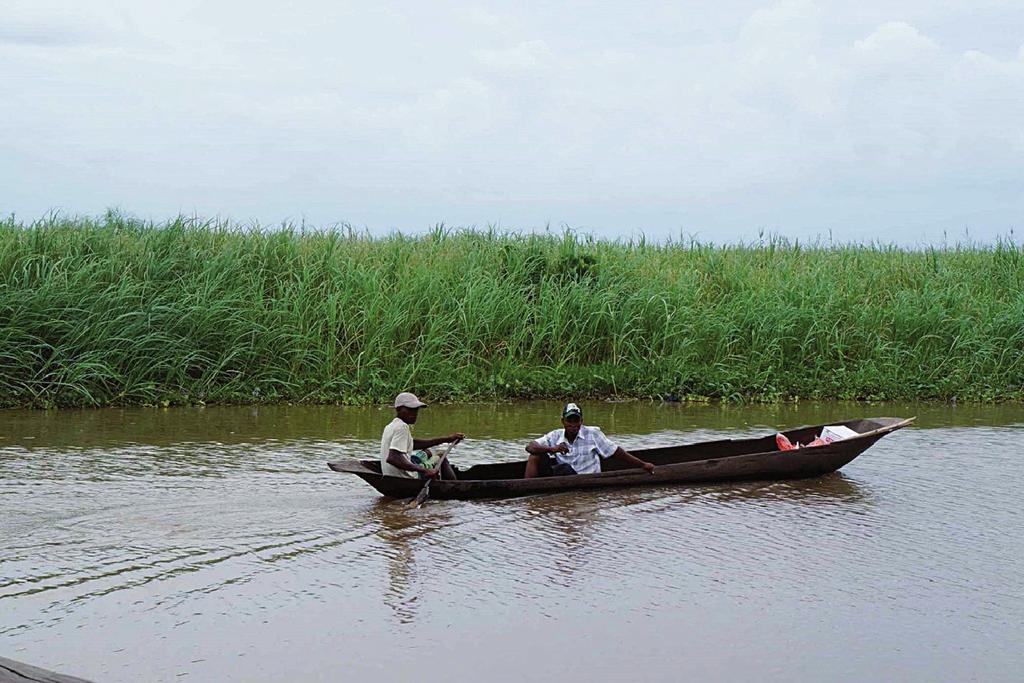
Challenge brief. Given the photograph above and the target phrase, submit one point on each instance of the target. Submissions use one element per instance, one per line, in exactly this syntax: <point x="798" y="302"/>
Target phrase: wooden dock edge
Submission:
<point x="16" y="672"/>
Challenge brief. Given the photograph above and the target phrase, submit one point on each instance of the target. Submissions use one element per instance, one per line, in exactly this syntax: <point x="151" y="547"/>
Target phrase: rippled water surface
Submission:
<point x="213" y="544"/>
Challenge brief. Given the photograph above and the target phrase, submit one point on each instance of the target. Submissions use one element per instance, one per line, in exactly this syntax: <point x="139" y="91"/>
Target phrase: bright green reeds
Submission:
<point x="113" y="310"/>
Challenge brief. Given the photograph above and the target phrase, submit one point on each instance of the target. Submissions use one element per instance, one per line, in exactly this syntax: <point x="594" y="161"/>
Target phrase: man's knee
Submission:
<point x="540" y="463"/>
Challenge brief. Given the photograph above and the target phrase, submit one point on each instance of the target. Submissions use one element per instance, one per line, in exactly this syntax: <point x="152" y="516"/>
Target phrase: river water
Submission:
<point x="213" y="544"/>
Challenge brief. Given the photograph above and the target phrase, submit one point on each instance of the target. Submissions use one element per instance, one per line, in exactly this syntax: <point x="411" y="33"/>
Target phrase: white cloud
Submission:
<point x="896" y="41"/>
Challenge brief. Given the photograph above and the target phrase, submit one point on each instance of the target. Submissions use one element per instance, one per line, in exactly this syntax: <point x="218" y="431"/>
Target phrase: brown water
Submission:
<point x="213" y="544"/>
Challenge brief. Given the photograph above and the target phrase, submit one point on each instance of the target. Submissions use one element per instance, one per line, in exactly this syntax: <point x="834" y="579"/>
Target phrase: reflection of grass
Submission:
<point x="115" y="311"/>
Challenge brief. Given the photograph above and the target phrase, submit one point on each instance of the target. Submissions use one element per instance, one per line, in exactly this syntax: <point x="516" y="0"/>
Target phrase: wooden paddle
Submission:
<point x="425" y="491"/>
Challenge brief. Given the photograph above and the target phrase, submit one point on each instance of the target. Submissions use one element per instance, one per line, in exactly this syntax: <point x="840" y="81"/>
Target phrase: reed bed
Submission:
<point x="118" y="311"/>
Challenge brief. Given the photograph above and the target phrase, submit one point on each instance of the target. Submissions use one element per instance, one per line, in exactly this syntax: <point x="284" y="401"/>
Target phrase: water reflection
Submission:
<point x="568" y="525"/>
<point x="402" y="529"/>
<point x="831" y="489"/>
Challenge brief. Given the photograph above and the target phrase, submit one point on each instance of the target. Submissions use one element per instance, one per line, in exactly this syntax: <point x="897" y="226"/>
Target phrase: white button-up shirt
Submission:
<point x="582" y="456"/>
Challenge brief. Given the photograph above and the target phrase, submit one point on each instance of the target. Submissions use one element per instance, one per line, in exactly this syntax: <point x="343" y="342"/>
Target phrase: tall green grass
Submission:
<point x="114" y="310"/>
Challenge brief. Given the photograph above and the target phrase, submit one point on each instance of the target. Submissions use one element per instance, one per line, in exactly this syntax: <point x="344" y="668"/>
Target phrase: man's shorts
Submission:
<point x="549" y="467"/>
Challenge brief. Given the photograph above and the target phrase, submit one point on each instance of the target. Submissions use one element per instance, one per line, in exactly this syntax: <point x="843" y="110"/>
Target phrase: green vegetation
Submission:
<point x="114" y="310"/>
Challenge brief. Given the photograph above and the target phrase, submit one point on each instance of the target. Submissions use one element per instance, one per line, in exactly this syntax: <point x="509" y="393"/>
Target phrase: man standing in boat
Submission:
<point x="403" y="456"/>
<point x="576" y="449"/>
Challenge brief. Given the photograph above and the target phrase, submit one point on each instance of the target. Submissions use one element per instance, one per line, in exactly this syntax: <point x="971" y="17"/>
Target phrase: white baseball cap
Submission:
<point x="408" y="400"/>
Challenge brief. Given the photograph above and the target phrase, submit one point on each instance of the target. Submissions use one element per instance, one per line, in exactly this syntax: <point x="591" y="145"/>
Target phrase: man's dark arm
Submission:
<point x="624" y="455"/>
<point x="535" y="448"/>
<point x="398" y="459"/>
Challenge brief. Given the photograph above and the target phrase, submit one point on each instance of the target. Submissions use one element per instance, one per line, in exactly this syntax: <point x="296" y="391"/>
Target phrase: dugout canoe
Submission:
<point x="756" y="458"/>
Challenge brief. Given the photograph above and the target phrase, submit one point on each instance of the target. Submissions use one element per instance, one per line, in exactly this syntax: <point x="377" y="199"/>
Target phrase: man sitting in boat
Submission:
<point x="403" y="456"/>
<point x="576" y="449"/>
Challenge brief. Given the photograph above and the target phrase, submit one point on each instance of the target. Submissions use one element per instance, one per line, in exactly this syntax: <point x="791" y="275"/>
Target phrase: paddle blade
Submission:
<point x="422" y="495"/>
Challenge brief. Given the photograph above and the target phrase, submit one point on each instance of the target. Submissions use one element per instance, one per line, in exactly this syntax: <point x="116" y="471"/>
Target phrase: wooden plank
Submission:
<point x="16" y="672"/>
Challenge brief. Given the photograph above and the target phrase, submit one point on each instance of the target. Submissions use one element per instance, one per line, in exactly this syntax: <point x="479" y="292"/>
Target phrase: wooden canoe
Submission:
<point x="756" y="458"/>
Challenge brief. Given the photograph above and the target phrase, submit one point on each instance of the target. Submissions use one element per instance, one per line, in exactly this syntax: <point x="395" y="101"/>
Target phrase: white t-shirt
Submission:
<point x="397" y="436"/>
<point x="582" y="456"/>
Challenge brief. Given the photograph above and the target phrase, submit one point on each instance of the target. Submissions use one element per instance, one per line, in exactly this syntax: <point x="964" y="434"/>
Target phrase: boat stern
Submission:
<point x="369" y="471"/>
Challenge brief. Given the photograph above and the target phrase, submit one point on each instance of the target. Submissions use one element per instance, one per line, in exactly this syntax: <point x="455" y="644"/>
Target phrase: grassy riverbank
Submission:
<point x="112" y="310"/>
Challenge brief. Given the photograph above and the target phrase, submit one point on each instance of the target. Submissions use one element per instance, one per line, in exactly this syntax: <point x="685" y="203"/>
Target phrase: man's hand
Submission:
<point x="648" y="467"/>
<point x="560" y="448"/>
<point x="454" y="437"/>
<point x="430" y="474"/>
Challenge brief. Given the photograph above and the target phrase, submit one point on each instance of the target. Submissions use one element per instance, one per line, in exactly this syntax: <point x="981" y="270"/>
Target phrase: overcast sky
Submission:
<point x="895" y="121"/>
